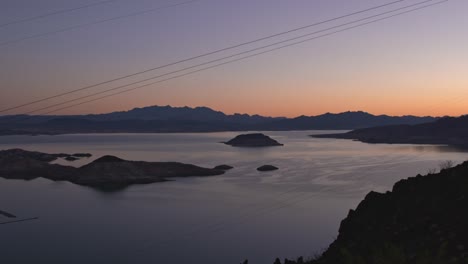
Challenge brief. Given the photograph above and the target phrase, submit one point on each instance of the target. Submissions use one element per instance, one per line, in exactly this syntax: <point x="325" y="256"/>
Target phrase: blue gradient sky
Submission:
<point x="412" y="64"/>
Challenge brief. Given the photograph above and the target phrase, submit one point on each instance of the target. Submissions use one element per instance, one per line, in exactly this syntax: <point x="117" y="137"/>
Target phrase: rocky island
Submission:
<point x="267" y="168"/>
<point x="107" y="171"/>
<point x="253" y="140"/>
<point x="422" y="220"/>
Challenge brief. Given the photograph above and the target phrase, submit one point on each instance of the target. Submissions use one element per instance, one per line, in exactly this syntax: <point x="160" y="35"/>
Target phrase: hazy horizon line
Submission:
<point x="238" y="113"/>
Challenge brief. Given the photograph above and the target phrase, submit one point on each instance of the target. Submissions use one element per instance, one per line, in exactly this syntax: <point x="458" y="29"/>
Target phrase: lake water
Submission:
<point x="292" y="212"/>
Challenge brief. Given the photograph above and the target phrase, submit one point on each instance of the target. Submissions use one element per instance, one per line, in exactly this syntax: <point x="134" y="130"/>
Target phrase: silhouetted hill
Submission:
<point x="157" y="119"/>
<point x="448" y="130"/>
<point x="166" y="113"/>
<point x="422" y="220"/>
<point x="346" y="120"/>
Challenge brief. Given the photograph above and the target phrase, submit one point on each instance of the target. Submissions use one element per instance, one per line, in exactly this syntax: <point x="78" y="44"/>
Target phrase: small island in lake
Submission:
<point x="107" y="171"/>
<point x="253" y="140"/>
<point x="267" y="168"/>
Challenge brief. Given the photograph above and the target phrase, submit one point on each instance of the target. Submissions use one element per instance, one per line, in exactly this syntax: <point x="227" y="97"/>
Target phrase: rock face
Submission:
<point x="107" y="171"/>
<point x="267" y="168"/>
<point x="422" y="220"/>
<point x="253" y="140"/>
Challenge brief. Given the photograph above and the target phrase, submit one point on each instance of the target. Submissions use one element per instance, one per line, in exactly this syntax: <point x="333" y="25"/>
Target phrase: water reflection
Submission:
<point x="436" y="148"/>
<point x="242" y="214"/>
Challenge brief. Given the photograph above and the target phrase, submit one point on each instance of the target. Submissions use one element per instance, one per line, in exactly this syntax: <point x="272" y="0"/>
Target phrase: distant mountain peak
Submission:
<point x="155" y="118"/>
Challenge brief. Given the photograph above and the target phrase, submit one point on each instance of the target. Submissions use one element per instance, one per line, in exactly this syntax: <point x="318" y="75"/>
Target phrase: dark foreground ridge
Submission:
<point x="422" y="220"/>
<point x="253" y="140"/>
<point x="105" y="172"/>
<point x="447" y="131"/>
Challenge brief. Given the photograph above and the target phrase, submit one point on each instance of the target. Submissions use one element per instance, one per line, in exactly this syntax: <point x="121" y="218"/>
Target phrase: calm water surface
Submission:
<point x="223" y="219"/>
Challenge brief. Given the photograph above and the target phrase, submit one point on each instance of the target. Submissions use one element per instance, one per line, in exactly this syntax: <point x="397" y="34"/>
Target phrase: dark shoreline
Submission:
<point x="38" y="133"/>
<point x="458" y="144"/>
<point x="445" y="131"/>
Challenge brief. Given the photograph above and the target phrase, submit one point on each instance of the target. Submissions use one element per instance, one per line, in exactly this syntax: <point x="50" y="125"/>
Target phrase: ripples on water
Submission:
<point x="223" y="219"/>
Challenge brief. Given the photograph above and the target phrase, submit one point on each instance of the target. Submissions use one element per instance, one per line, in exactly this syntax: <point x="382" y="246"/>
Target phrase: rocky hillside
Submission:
<point x="422" y="220"/>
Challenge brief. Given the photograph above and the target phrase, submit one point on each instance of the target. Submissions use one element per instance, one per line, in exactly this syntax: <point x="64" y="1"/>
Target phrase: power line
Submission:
<point x="266" y="210"/>
<point x="242" y="214"/>
<point x="224" y="58"/>
<point x="56" y="13"/>
<point x="220" y="225"/>
<point x="9" y="42"/>
<point x="200" y="56"/>
<point x="235" y="60"/>
<point x="216" y="227"/>
<point x="294" y="200"/>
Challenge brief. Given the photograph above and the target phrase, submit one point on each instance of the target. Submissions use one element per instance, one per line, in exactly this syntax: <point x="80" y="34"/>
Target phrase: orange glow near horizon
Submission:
<point x="419" y="96"/>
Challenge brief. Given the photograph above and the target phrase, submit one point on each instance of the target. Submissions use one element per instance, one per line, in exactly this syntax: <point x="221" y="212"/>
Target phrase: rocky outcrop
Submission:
<point x="253" y="140"/>
<point x="267" y="168"/>
<point x="107" y="171"/>
<point x="422" y="220"/>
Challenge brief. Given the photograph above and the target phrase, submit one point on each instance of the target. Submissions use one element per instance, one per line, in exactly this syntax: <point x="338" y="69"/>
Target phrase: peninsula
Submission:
<point x="107" y="171"/>
<point x="447" y="131"/>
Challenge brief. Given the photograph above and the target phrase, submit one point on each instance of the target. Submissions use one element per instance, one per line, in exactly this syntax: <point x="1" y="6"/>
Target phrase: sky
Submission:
<point x="414" y="64"/>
